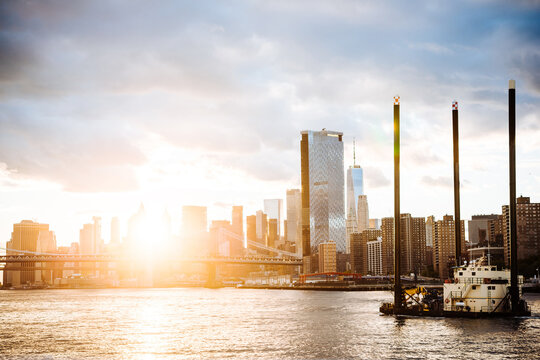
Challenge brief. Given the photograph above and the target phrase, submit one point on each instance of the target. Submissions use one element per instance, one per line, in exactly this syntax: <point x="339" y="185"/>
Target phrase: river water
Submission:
<point x="233" y="323"/>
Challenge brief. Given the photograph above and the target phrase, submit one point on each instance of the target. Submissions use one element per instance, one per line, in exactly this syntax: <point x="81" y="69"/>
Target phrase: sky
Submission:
<point x="107" y="104"/>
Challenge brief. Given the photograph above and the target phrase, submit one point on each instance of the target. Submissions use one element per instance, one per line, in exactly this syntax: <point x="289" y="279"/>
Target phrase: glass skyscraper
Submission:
<point x="355" y="188"/>
<point x="274" y="210"/>
<point x="323" y="204"/>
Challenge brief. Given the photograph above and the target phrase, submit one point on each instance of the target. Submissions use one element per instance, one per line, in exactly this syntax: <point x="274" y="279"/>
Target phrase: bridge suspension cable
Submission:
<point x="40" y="253"/>
<point x="255" y="244"/>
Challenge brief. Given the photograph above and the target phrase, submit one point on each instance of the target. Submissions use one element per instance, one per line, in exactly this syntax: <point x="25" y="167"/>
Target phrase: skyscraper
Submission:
<point x="262" y="226"/>
<point x="98" y="241"/>
<point x="86" y="239"/>
<point x="374" y="254"/>
<point x="26" y="236"/>
<point x="528" y="229"/>
<point x="238" y="220"/>
<point x="294" y="218"/>
<point x="251" y="227"/>
<point x="429" y="230"/>
<point x="355" y="188"/>
<point x="479" y="229"/>
<point x="412" y="242"/>
<point x="444" y="245"/>
<point x="362" y="213"/>
<point x="88" y="245"/>
<point x="274" y="210"/>
<point x="273" y="235"/>
<point x="322" y="174"/>
<point x="375" y="224"/>
<point x="327" y="257"/>
<point x="90" y="237"/>
<point x="359" y="249"/>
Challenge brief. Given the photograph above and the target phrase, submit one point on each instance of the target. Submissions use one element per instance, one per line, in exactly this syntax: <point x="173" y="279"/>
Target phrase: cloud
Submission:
<point x="375" y="178"/>
<point x="528" y="66"/>
<point x="83" y="156"/>
<point x="439" y="181"/>
<point x="83" y="85"/>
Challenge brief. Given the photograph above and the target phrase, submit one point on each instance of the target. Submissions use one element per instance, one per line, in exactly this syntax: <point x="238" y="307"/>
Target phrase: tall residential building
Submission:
<point x="444" y="245"/>
<point x="356" y="252"/>
<point x="238" y="220"/>
<point x="363" y="213"/>
<point x="273" y="208"/>
<point x="412" y="244"/>
<point x="323" y="206"/>
<point x="429" y="230"/>
<point x="355" y="188"/>
<point x="115" y="230"/>
<point x="496" y="231"/>
<point x="26" y="236"/>
<point x="359" y="250"/>
<point x="294" y="218"/>
<point x="327" y="257"/>
<point x="528" y="229"/>
<point x="368" y="236"/>
<point x="374" y="253"/>
<point x="262" y="227"/>
<point x="430" y="220"/>
<point x="479" y="229"/>
<point x="387" y="245"/>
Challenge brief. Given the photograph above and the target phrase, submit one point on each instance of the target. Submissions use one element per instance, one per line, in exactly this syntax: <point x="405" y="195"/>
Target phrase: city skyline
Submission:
<point x="279" y="179"/>
<point x="169" y="131"/>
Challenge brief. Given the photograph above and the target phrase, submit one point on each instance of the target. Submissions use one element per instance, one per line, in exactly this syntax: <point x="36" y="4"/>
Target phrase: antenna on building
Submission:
<point x="354" y="151"/>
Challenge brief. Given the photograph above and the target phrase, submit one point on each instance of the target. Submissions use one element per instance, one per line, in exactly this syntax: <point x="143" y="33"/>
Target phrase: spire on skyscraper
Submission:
<point x="354" y="151"/>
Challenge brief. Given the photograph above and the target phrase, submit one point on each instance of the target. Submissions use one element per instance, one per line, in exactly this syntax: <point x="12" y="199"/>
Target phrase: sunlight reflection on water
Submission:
<point x="205" y="323"/>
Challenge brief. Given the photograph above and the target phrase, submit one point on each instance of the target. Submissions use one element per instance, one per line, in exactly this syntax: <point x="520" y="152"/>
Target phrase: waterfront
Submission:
<point x="233" y="323"/>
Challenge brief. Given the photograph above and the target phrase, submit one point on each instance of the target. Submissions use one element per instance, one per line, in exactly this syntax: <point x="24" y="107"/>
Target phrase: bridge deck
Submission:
<point x="16" y="259"/>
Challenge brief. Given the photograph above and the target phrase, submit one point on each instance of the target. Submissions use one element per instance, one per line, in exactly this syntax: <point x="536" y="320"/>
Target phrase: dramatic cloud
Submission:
<point x="86" y="87"/>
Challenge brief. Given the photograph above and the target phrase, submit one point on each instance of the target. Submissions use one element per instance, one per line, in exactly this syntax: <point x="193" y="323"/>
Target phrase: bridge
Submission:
<point x="23" y="260"/>
<point x="61" y="258"/>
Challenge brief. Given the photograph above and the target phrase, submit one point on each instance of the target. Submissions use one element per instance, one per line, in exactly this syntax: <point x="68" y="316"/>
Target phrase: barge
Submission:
<point x="476" y="289"/>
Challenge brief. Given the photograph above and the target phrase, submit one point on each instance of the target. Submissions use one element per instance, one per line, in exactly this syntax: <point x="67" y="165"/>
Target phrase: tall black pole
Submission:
<point x="457" y="216"/>
<point x="514" y="292"/>
<point x="397" y="221"/>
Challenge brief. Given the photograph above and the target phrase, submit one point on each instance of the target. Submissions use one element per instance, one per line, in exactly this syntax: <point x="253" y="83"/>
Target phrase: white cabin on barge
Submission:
<point x="479" y="288"/>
